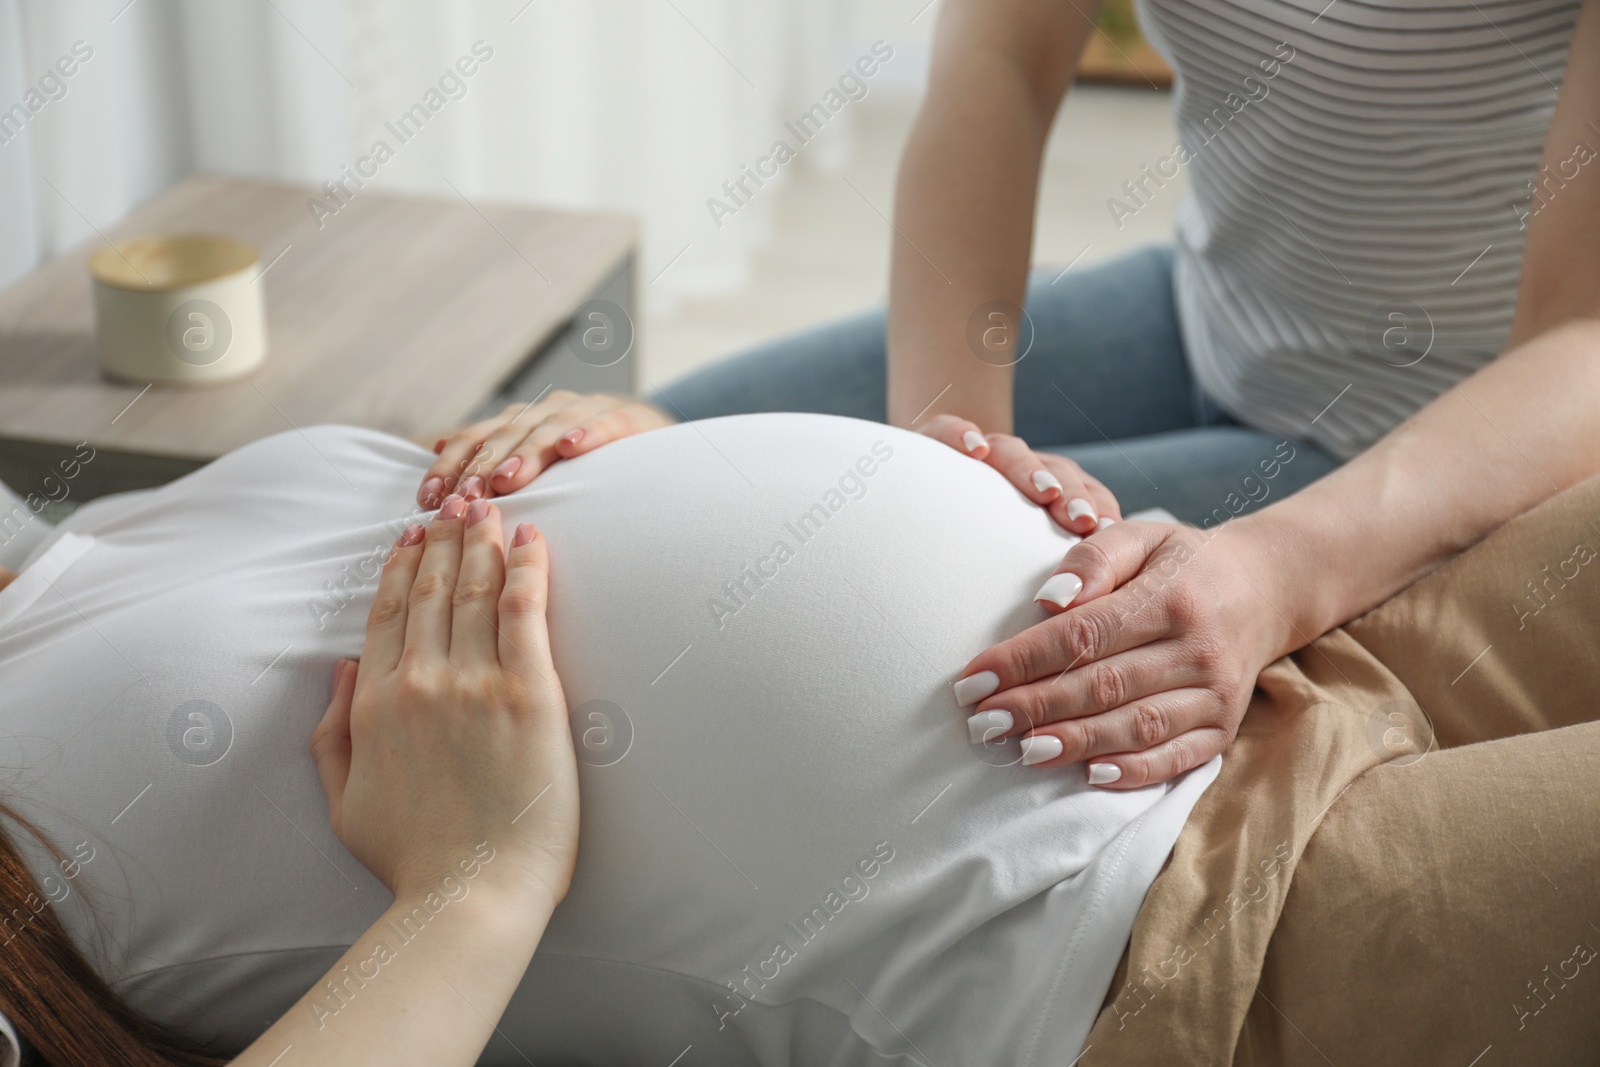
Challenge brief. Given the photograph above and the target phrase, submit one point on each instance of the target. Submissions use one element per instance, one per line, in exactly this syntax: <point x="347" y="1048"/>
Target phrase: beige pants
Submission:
<point x="1400" y="862"/>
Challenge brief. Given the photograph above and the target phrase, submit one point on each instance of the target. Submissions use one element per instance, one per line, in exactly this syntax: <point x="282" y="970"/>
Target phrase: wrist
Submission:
<point x="931" y="372"/>
<point x="507" y="913"/>
<point x="493" y="878"/>
<point x="667" y="418"/>
<point x="1298" y="576"/>
<point x="912" y="405"/>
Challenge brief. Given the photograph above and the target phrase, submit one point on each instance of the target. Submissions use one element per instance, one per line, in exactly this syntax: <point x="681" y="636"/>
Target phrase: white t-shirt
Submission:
<point x="790" y="853"/>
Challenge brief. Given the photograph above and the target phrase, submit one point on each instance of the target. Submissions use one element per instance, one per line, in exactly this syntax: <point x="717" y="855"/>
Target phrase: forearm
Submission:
<point x="1513" y="434"/>
<point x="964" y="204"/>
<point x="421" y="987"/>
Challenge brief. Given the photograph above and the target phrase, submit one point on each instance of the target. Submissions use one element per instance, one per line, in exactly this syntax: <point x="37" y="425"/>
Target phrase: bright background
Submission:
<point x="641" y="106"/>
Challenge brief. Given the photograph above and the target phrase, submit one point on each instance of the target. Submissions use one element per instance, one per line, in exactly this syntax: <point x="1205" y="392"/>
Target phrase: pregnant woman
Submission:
<point x="794" y="850"/>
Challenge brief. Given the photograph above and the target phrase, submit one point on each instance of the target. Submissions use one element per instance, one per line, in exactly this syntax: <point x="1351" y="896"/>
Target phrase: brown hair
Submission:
<point x="54" y="998"/>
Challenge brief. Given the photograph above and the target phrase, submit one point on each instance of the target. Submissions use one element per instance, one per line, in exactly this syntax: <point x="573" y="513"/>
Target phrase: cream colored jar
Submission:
<point x="179" y="309"/>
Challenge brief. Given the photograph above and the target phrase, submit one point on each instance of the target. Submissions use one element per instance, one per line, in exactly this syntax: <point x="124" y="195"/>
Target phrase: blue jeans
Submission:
<point x="1106" y="384"/>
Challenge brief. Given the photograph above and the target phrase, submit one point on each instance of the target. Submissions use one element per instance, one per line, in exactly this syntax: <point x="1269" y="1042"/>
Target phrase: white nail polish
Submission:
<point x="973" y="440"/>
<point x="975" y="687"/>
<point x="1101" y="524"/>
<point x="1060" y="589"/>
<point x="1078" y="508"/>
<point x="1104" y="773"/>
<point x="988" y="725"/>
<point x="1045" y="481"/>
<point x="1040" y="748"/>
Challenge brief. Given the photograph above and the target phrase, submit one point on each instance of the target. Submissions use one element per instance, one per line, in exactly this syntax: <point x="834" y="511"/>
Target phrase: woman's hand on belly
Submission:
<point x="449" y="771"/>
<point x="503" y="454"/>
<point x="436" y="747"/>
<point x="1148" y="663"/>
<point x="1078" y="503"/>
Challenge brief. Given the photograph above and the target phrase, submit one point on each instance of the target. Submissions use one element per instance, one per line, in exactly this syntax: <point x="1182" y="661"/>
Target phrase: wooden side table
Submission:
<point x="403" y="313"/>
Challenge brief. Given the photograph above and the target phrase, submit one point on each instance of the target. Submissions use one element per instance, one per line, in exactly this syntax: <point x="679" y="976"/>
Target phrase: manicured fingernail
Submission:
<point x="477" y="511"/>
<point x="1044" y="481"/>
<point x="1060" y="589"/>
<point x="432" y="492"/>
<point x="526" y="532"/>
<point x="438" y="446"/>
<point x="1101" y="773"/>
<point x="975" y="687"/>
<point x="473" y="487"/>
<point x="1040" y="748"/>
<point x="507" y="469"/>
<point x="987" y="725"/>
<point x="973" y="440"/>
<point x="452" y="508"/>
<point x="411" y="535"/>
<point x="573" y="436"/>
<point x="1102" y="523"/>
<point x="1079" y="508"/>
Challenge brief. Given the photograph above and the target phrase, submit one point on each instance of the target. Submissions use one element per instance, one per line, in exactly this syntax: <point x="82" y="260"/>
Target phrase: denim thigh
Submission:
<point x="1204" y="475"/>
<point x="1106" y="361"/>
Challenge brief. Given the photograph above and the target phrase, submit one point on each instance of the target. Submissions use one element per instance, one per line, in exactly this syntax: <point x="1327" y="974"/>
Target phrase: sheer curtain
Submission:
<point x="643" y="106"/>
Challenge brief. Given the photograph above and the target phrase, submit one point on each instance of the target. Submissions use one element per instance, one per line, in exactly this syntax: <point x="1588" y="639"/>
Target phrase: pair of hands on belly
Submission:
<point x="1156" y="634"/>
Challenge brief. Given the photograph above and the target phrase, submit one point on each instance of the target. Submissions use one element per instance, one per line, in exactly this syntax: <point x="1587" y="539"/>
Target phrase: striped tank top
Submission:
<point x="1360" y="178"/>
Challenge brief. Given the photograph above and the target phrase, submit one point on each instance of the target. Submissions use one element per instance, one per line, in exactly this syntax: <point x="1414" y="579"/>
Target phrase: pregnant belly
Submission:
<point x="757" y="620"/>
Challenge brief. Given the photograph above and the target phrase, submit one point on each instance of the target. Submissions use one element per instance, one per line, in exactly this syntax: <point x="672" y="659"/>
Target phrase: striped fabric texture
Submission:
<point x="1360" y="178"/>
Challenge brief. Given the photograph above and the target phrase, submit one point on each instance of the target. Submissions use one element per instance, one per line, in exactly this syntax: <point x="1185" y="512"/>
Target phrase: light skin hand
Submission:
<point x="503" y="454"/>
<point x="1148" y="670"/>
<point x="1077" y="501"/>
<point x="454" y="714"/>
<point x="449" y="770"/>
<point x="1170" y="657"/>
